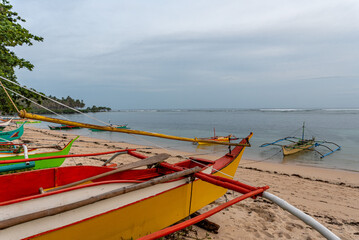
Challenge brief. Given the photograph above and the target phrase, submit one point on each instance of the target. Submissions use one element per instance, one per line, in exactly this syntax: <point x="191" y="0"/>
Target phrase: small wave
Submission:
<point x="286" y="110"/>
<point x="341" y="109"/>
<point x="279" y="110"/>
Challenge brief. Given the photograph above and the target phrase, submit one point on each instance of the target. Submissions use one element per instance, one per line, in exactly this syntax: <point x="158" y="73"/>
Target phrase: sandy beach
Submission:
<point x="330" y="196"/>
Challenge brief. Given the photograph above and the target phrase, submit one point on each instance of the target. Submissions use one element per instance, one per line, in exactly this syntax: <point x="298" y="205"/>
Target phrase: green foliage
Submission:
<point x="73" y="103"/>
<point x="98" y="109"/>
<point x="55" y="107"/>
<point x="12" y="34"/>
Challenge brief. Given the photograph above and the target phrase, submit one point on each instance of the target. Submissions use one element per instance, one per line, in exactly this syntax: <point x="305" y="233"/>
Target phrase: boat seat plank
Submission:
<point x="144" y="162"/>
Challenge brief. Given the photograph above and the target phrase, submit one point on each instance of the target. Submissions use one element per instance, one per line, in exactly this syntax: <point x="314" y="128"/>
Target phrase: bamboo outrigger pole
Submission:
<point x="24" y="114"/>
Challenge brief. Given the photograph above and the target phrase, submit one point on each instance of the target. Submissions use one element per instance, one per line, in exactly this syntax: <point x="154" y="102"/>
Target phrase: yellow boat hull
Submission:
<point x="295" y="148"/>
<point x="146" y="216"/>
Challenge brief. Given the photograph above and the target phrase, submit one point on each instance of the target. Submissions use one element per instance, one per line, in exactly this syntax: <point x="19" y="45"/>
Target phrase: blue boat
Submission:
<point x="12" y="135"/>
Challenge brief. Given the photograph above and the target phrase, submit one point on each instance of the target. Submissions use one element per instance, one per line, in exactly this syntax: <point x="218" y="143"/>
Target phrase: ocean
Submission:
<point x="334" y="125"/>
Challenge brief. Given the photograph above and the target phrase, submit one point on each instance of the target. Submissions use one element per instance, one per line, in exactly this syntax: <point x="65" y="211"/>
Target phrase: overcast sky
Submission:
<point x="195" y="54"/>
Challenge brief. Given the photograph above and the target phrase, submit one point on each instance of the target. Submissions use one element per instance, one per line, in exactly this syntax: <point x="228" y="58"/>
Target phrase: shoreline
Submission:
<point x="328" y="195"/>
<point x="306" y="170"/>
<point x="302" y="165"/>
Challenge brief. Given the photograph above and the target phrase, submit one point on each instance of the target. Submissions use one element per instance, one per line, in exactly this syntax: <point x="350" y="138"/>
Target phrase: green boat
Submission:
<point x="12" y="135"/>
<point x="27" y="122"/>
<point x="124" y="126"/>
<point x="48" y="163"/>
<point x="63" y="127"/>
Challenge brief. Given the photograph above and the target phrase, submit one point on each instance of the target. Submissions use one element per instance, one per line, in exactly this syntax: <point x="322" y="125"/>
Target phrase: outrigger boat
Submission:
<point x="300" y="144"/>
<point x="8" y="162"/>
<point x="9" y="136"/>
<point x="89" y="202"/>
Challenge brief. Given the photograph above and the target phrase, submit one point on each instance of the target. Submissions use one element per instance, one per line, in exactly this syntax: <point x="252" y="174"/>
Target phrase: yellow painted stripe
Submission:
<point x="132" y="221"/>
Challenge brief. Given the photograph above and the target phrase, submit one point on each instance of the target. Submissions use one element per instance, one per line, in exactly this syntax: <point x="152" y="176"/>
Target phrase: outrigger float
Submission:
<point x="297" y="144"/>
<point x="90" y="202"/>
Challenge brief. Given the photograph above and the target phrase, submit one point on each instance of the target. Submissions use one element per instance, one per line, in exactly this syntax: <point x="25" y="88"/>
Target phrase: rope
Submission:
<point x="37" y="104"/>
<point x="295" y="132"/>
<point x="74" y="109"/>
<point x="263" y="160"/>
<point x="9" y="97"/>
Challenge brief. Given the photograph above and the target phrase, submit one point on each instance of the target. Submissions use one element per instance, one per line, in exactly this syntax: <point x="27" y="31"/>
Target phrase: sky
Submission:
<point x="194" y="54"/>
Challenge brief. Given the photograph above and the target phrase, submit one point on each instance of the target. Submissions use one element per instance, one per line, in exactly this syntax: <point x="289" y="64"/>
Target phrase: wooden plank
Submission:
<point x="144" y="162"/>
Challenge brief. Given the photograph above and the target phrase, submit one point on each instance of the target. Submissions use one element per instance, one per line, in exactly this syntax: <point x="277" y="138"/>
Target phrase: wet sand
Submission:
<point x="330" y="196"/>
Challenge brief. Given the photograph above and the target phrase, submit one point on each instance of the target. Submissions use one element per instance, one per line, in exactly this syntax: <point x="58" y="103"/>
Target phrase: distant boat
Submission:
<point x="26" y="121"/>
<point x="124" y="126"/>
<point x="217" y="138"/>
<point x="9" y="136"/>
<point x="62" y="127"/>
<point x="19" y="120"/>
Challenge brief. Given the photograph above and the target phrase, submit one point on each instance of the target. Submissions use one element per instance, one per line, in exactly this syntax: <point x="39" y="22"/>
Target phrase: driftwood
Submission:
<point x="60" y="209"/>
<point x="144" y="162"/>
<point x="113" y="157"/>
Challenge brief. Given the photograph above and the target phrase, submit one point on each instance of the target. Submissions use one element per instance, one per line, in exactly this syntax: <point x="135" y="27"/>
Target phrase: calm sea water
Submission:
<point x="337" y="125"/>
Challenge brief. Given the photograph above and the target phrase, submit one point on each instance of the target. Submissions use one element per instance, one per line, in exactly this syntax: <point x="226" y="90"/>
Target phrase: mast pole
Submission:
<point x="303" y="132"/>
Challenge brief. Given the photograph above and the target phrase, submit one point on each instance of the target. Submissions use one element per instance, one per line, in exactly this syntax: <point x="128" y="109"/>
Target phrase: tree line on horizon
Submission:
<point x="68" y="101"/>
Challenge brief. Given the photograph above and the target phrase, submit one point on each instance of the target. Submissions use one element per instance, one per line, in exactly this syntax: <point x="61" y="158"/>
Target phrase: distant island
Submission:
<point x="69" y="101"/>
